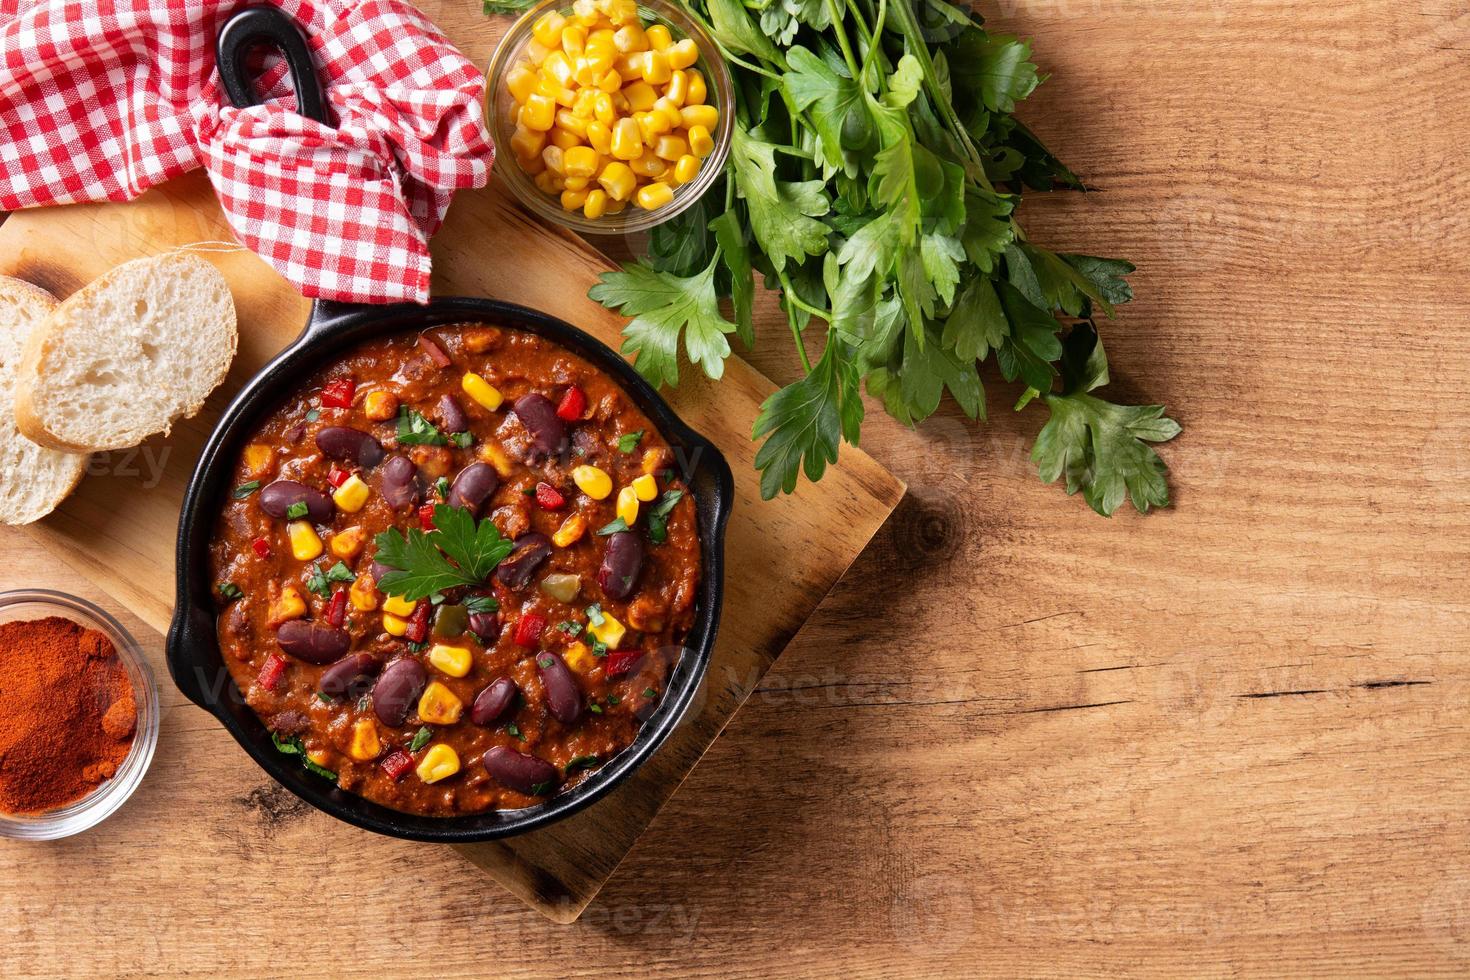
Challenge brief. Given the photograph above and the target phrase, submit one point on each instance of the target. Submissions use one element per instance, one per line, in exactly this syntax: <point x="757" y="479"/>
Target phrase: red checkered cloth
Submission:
<point x="102" y="99"/>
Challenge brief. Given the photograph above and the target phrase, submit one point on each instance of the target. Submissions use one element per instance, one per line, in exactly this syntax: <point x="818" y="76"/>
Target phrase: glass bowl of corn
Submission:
<point x="609" y="116"/>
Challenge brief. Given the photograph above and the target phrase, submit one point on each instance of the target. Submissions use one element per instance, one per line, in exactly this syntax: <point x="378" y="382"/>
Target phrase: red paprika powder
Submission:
<point x="67" y="713"/>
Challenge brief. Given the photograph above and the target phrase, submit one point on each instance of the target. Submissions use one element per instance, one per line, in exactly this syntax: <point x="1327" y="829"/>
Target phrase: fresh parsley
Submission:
<point x="482" y="604"/>
<point x="296" y="511"/>
<point x="570" y="628"/>
<point x="594" y="614"/>
<point x="441" y="486"/>
<point x="415" y="430"/>
<point x="245" y="489"/>
<point x="581" y="762"/>
<point x="612" y="527"/>
<point x="229" y="590"/>
<point x="294" y="746"/>
<point x="421" y="738"/>
<point x="459" y="551"/>
<point x="320" y="581"/>
<point x="628" y="443"/>
<point x="312" y="414"/>
<point x="658" y="515"/>
<point x="462" y="439"/>
<point x="515" y="730"/>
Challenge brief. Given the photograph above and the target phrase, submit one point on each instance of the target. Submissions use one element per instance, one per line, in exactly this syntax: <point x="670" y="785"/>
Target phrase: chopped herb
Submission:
<point x="529" y="491"/>
<point x="658" y="516"/>
<point x="293" y="746"/>
<point x="322" y="771"/>
<point x="649" y="692"/>
<point x="581" y="762"/>
<point x="296" y="511"/>
<point x="321" y="582"/>
<point x="246" y="489"/>
<point x="539" y="789"/>
<point x="545" y="664"/>
<point x="420" y="738"/>
<point x="442" y="486"/>
<point x="629" y="442"/>
<point x="594" y="707"/>
<point x="461" y="439"/>
<point x="482" y="604"/>
<point x="418" y="647"/>
<point x="515" y="730"/>
<point x="594" y="613"/>
<point x="571" y="629"/>
<point x="313" y="414"/>
<point x="579" y="450"/>
<point x="613" y="528"/>
<point x="364" y="702"/>
<point x="415" y="430"/>
<point x="459" y="551"/>
<point x="323" y="698"/>
<point x="229" y="590"/>
<point x="599" y="649"/>
<point x="613" y="700"/>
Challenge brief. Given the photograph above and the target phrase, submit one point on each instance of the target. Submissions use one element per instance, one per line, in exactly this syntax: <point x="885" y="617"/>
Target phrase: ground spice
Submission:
<point x="67" y="713"/>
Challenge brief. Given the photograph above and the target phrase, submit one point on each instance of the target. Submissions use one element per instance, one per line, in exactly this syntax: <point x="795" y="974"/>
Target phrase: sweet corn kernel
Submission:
<point x="570" y="532"/>
<point x="629" y="66"/>
<point x="521" y="81"/>
<point x="627" y="141"/>
<point x="558" y="93"/>
<point x="559" y="66"/>
<point x="701" y="143"/>
<point x="363" y="594"/>
<point x="658" y="36"/>
<point x="347" y="542"/>
<point x="609" y="81"/>
<point x="614" y="206"/>
<point x="533" y="166"/>
<point x="629" y="38"/>
<point x="656" y="70"/>
<point x="683" y="53"/>
<point x="671" y="112"/>
<point x="602" y="57"/>
<point x="496" y="457"/>
<point x="628" y="506"/>
<point x="585" y="106"/>
<point x="258" y="459"/>
<point x="394" y="625"/>
<point x="561" y="139"/>
<point x="527" y="142"/>
<point x="536" y="52"/>
<point x="439" y="706"/>
<point x="352" y="495"/>
<point x="305" y="544"/>
<point x="573" y="39"/>
<point x="586" y="11"/>
<point x="620" y="101"/>
<point x="618" y="180"/>
<point x="288" y="605"/>
<point x="652" y="125"/>
<point x="670" y="147"/>
<point x="645" y="487"/>
<point x="549" y="183"/>
<point x="605" y="35"/>
<point x="399" y="606"/>
<point x="700" y="115"/>
<point x="454" y="661"/>
<point x="579" y="161"/>
<point x="548" y="28"/>
<point x="653" y="196"/>
<point x="592" y="481"/>
<point x="641" y="96"/>
<point x="698" y="91"/>
<point x="600" y="136"/>
<point x="483" y="392"/>
<point x="439" y="763"/>
<point x="686" y="168"/>
<point x="380" y="406"/>
<point x="579" y="658"/>
<point x="648" y="165"/>
<point x="678" y="88"/>
<point x="602" y="109"/>
<point x="596" y="204"/>
<point x="575" y="184"/>
<point x="572" y="200"/>
<point x="622" y="12"/>
<point x="609" y="631"/>
<point x="538" y="113"/>
<point x="365" y="744"/>
<point x="569" y="122"/>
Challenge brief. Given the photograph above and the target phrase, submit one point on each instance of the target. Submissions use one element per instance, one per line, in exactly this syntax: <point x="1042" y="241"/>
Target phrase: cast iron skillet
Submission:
<point x="194" y="657"/>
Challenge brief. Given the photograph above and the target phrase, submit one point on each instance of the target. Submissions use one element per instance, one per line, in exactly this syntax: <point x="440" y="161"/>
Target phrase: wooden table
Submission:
<point x="1019" y="739"/>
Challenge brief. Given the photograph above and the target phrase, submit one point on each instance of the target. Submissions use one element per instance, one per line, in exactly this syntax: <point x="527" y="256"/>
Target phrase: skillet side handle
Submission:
<point x="189" y="635"/>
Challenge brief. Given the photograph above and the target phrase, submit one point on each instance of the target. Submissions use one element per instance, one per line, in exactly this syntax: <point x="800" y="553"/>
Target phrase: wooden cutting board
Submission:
<point x="783" y="556"/>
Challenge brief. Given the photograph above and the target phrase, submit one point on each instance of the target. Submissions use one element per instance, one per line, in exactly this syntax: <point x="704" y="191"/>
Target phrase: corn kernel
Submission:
<point x="570" y="532"/>
<point x="701" y="143"/>
<point x="399" y="606"/>
<point x="609" y="631"/>
<point x="609" y="81"/>
<point x="575" y="184"/>
<point x="604" y="36"/>
<point x="533" y="166"/>
<point x="586" y="11"/>
<point x="347" y="542"/>
<point x="656" y="70"/>
<point x="569" y="122"/>
<point x="538" y="113"/>
<point x="620" y="101"/>
<point x="579" y="161"/>
<point x="618" y="180"/>
<point x="671" y="112"/>
<point x="572" y="200"/>
<point x="527" y="142"/>
<point x="288" y="605"/>
<point x="558" y="93"/>
<point x="496" y="457"/>
<point x="627" y="141"/>
<point x="363" y="594"/>
<point x="585" y="106"/>
<point x="641" y="96"/>
<point x="658" y="36"/>
<point x="622" y="12"/>
<point x="614" y="206"/>
<point x="365" y="745"/>
<point x="670" y="147"/>
<point x="602" y="109"/>
<point x="559" y="67"/>
<point x="352" y="495"/>
<point x="548" y="28"/>
<point x="596" y="204"/>
<point x="483" y="392"/>
<point x="258" y="459"/>
<point x="454" y="661"/>
<point x="649" y="166"/>
<point x="698" y="91"/>
<point x="394" y="625"/>
<point x="573" y="39"/>
<point x="439" y="763"/>
<point x="579" y="658"/>
<point x="683" y="53"/>
<point x="305" y="545"/>
<point x="653" y="196"/>
<point x="562" y="139"/>
<point x="629" y="66"/>
<point x="630" y="37"/>
<point x="439" y="706"/>
<point x="628" y="506"/>
<point x="700" y="115"/>
<point x="686" y="168"/>
<point x="678" y="88"/>
<point x="549" y="183"/>
<point x="602" y="57"/>
<point x="380" y="406"/>
<point x="592" y="481"/>
<point x="651" y="125"/>
<point x="521" y="81"/>
<point x="600" y="136"/>
<point x="645" y="488"/>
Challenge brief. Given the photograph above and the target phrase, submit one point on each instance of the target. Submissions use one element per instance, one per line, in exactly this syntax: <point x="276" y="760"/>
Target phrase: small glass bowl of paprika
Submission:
<point x="51" y="705"/>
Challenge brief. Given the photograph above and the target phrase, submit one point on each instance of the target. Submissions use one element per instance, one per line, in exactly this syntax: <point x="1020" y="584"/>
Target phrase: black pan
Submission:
<point x="194" y="658"/>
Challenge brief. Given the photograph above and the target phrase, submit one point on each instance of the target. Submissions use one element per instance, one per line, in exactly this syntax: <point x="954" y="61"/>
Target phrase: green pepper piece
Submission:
<point x="450" y="621"/>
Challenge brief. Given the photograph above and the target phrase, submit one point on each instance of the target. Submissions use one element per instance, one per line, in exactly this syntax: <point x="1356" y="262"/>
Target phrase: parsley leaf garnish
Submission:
<point x="421" y="738"/>
<point x="482" y="604"/>
<point x="320" y="582"/>
<point x="806" y="420"/>
<point x="245" y="489"/>
<point x="629" y="442"/>
<point x="296" y="511"/>
<point x="658" y="515"/>
<point x="612" y="527"/>
<point x="459" y="551"/>
<point x="415" y="430"/>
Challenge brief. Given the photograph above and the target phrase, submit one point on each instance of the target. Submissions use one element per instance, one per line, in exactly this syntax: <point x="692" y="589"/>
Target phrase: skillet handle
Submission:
<point x="272" y="26"/>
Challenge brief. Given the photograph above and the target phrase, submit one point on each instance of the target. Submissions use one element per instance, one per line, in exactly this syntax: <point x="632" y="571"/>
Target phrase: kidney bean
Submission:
<point x="520" y="772"/>
<point x="531" y="550"/>
<point x="485" y="626"/>
<point x="316" y="643"/>
<point x="377" y="569"/>
<point x="277" y="498"/>
<point x="452" y="415"/>
<point x="398" y="688"/>
<point x="548" y="433"/>
<point x="474" y="485"/>
<point x="563" y="696"/>
<point x="621" y="563"/>
<point x="399" y="488"/>
<point x="436" y="353"/>
<point x="351" y="445"/>
<point x="492" y="702"/>
<point x="350" y="675"/>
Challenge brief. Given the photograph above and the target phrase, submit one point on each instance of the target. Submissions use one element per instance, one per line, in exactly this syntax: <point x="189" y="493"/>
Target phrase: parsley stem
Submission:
<point x="792" y="302"/>
<point x="844" y="43"/>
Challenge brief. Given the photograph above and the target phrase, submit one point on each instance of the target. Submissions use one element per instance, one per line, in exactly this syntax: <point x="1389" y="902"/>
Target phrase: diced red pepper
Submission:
<point x="621" y="662"/>
<point x="337" y="608"/>
<point x="271" y="672"/>
<point x="435" y="352"/>
<point x="262" y="547"/>
<point x="338" y="393"/>
<point x="337" y="476"/>
<point x="426" y="517"/>
<point x="549" y="497"/>
<point x="418" y="623"/>
<point x="573" y="404"/>
<point x="528" y="629"/>
<point x="397" y="764"/>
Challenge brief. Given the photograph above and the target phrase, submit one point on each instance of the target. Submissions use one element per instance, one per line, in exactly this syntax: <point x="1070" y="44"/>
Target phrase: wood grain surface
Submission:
<point x="1019" y="740"/>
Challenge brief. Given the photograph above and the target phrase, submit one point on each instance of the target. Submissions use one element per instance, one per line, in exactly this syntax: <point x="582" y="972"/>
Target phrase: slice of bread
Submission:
<point x="127" y="355"/>
<point x="33" y="480"/>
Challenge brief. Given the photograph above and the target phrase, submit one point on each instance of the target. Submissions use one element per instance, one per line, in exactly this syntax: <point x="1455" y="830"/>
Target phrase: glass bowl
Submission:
<point x="102" y="802"/>
<point x="500" y="109"/>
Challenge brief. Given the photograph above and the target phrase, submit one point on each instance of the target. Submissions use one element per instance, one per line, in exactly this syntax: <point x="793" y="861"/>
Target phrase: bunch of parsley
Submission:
<point x="875" y="168"/>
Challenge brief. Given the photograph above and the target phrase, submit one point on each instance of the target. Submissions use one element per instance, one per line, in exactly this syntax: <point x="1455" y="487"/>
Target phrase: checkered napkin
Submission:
<point x="102" y="99"/>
